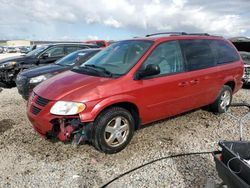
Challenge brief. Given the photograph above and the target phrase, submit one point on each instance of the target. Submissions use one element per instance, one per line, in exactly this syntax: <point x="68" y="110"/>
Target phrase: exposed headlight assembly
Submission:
<point x="67" y="108"/>
<point x="8" y="64"/>
<point x="40" y="78"/>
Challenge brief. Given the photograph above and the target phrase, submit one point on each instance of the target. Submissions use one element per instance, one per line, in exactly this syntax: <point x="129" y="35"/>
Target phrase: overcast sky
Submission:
<point x="120" y="19"/>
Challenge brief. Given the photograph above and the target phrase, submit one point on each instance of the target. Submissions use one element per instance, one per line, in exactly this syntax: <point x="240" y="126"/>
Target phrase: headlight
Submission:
<point x="67" y="108"/>
<point x="8" y="64"/>
<point x="40" y="78"/>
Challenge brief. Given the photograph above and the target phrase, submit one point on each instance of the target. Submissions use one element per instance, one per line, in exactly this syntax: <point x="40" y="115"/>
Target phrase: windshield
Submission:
<point x="37" y="51"/>
<point x="118" y="58"/>
<point x="70" y="59"/>
<point x="245" y="57"/>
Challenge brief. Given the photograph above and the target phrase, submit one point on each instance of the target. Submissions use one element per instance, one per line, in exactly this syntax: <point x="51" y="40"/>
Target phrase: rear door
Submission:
<point x="203" y="73"/>
<point x="228" y="62"/>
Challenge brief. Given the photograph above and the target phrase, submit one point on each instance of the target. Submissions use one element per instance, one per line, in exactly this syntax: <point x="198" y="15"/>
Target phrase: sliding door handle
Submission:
<point x="194" y="82"/>
<point x="183" y="84"/>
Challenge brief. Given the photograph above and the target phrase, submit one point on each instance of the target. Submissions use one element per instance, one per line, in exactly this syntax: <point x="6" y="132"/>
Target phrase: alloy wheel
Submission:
<point x="225" y="99"/>
<point x="116" y="131"/>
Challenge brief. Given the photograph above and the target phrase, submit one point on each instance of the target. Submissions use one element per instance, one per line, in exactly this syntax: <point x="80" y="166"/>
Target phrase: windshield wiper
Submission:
<point x="100" y="68"/>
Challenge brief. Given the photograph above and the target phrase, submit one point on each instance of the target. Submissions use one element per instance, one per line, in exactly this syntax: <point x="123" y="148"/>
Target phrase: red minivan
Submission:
<point x="134" y="82"/>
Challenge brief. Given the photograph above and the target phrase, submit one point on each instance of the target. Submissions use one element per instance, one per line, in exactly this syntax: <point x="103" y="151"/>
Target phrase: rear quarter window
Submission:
<point x="198" y="54"/>
<point x="70" y="49"/>
<point x="225" y="52"/>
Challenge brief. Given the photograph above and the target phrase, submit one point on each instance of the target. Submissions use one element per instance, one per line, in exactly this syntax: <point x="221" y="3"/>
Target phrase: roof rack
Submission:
<point x="167" y="33"/>
<point x="177" y="33"/>
<point x="205" y="34"/>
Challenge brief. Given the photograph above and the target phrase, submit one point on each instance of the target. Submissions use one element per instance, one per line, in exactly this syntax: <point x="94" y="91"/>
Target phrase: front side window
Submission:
<point x="36" y="51"/>
<point x="120" y="57"/>
<point x="55" y="51"/>
<point x="198" y="54"/>
<point x="168" y="57"/>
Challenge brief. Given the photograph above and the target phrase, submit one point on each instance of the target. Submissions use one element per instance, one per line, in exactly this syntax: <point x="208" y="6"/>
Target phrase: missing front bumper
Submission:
<point x="69" y="129"/>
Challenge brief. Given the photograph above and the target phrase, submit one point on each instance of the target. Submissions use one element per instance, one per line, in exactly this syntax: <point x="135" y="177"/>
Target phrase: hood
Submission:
<point x="53" y="68"/>
<point x="15" y="58"/>
<point x="71" y="86"/>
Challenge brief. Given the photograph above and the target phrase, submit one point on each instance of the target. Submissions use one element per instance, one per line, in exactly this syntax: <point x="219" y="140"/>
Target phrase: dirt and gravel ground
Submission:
<point x="27" y="160"/>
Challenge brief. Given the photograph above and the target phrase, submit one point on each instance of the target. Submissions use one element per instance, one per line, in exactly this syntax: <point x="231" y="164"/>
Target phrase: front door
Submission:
<point x="52" y="54"/>
<point x="167" y="93"/>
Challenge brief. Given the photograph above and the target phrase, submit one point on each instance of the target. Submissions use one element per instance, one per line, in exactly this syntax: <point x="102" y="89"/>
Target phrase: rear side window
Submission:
<point x="224" y="51"/>
<point x="70" y="49"/>
<point x="198" y="54"/>
<point x="55" y="51"/>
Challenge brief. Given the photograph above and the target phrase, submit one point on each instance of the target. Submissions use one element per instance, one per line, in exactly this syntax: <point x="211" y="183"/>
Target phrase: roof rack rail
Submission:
<point x="205" y="34"/>
<point x="177" y="33"/>
<point x="167" y="33"/>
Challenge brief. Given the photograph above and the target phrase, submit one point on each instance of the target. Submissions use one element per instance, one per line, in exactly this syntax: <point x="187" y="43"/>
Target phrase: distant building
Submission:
<point x="16" y="43"/>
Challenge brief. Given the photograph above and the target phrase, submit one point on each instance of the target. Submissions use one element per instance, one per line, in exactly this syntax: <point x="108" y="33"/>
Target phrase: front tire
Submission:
<point x="113" y="130"/>
<point x="223" y="101"/>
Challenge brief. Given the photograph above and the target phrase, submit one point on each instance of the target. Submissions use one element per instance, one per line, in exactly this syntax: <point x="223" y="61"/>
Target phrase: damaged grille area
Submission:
<point x="35" y="110"/>
<point x="41" y="101"/>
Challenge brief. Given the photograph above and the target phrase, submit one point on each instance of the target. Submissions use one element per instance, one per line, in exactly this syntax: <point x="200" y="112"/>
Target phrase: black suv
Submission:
<point x="10" y="67"/>
<point x="28" y="79"/>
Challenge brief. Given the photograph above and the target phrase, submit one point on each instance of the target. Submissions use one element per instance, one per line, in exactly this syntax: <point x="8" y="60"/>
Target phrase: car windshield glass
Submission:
<point x="70" y="59"/>
<point x="37" y="51"/>
<point x="118" y="58"/>
<point x="246" y="57"/>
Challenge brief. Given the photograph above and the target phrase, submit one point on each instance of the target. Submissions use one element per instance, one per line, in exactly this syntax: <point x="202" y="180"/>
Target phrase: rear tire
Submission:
<point x="223" y="101"/>
<point x="113" y="130"/>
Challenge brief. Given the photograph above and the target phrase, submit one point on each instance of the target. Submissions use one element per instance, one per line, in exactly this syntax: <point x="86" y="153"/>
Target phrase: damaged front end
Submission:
<point x="8" y="75"/>
<point x="57" y="127"/>
<point x="9" y="70"/>
<point x="246" y="76"/>
<point x="69" y="129"/>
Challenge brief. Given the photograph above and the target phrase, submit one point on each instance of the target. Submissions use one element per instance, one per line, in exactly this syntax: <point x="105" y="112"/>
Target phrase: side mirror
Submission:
<point x="150" y="70"/>
<point x="45" y="55"/>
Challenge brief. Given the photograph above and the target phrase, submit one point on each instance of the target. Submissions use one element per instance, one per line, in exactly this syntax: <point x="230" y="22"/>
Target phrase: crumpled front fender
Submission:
<point x="90" y="114"/>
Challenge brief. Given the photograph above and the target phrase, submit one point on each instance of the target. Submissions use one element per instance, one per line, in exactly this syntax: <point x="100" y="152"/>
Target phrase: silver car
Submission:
<point x="246" y="58"/>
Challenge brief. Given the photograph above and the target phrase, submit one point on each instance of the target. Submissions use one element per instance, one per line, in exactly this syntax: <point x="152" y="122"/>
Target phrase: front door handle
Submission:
<point x="194" y="82"/>
<point x="183" y="84"/>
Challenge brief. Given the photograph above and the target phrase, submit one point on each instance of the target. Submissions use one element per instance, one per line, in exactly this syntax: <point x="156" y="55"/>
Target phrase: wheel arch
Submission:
<point x="231" y="84"/>
<point x="128" y="104"/>
<point x="131" y="107"/>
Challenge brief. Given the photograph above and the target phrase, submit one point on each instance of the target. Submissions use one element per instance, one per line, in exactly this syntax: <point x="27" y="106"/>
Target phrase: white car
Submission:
<point x="11" y="50"/>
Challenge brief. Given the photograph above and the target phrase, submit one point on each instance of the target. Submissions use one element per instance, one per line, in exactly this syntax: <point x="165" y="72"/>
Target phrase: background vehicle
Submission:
<point x="10" y="67"/>
<point x="246" y="59"/>
<point x="11" y="50"/>
<point x="135" y="82"/>
<point x="5" y="49"/>
<point x="1" y="49"/>
<point x="99" y="43"/>
<point x="28" y="79"/>
<point x="25" y="49"/>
